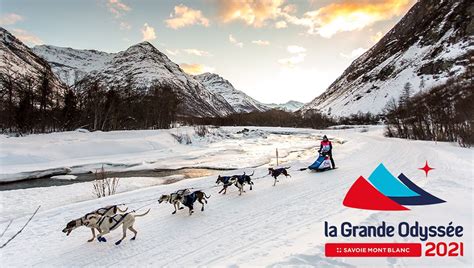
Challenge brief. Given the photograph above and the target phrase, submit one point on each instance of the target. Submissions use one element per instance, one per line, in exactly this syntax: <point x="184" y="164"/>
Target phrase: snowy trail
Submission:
<point x="280" y="225"/>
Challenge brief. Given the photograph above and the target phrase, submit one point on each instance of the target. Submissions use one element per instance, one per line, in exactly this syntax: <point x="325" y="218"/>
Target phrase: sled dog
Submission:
<point x="105" y="211"/>
<point x="277" y="172"/>
<point x="105" y="224"/>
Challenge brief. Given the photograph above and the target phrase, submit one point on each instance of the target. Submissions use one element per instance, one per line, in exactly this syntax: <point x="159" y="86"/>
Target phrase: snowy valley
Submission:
<point x="268" y="226"/>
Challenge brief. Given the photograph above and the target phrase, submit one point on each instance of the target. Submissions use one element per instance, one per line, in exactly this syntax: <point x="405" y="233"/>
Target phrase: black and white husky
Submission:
<point x="106" y="223"/>
<point x="105" y="211"/>
<point x="241" y="180"/>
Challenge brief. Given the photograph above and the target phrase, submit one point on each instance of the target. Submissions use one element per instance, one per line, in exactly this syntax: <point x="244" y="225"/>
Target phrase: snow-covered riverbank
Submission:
<point x="39" y="155"/>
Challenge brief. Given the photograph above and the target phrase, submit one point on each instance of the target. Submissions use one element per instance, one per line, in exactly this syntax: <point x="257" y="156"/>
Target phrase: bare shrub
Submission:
<point x="104" y="186"/>
<point x="201" y="130"/>
<point x="182" y="138"/>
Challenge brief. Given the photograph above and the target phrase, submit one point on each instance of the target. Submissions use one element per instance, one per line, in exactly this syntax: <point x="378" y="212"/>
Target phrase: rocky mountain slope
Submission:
<point x="18" y="60"/>
<point x="241" y="102"/>
<point x="432" y="43"/>
<point x="141" y="65"/>
<point x="289" y="106"/>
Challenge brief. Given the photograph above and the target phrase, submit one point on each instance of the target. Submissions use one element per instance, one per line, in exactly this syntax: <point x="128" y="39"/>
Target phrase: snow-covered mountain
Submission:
<point x="71" y="65"/>
<point x="241" y="102"/>
<point x="289" y="106"/>
<point x="18" y="59"/>
<point x="431" y="43"/>
<point x="143" y="65"/>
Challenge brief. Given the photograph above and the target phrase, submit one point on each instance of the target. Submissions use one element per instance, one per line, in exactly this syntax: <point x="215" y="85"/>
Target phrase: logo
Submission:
<point x="383" y="191"/>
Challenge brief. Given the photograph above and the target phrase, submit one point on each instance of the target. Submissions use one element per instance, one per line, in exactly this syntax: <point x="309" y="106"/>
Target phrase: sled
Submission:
<point x="322" y="163"/>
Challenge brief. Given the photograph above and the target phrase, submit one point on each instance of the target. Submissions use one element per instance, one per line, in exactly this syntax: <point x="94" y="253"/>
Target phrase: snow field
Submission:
<point x="269" y="226"/>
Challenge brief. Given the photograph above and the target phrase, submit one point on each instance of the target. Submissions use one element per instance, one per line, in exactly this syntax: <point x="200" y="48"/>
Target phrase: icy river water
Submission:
<point x="188" y="173"/>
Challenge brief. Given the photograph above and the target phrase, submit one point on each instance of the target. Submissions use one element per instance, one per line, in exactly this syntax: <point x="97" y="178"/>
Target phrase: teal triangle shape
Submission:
<point x="389" y="185"/>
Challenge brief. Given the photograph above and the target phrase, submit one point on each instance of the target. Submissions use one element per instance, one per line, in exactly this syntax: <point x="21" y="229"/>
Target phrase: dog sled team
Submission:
<point x="109" y="218"/>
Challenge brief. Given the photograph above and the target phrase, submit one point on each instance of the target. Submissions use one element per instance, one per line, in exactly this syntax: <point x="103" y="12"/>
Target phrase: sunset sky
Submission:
<point x="272" y="50"/>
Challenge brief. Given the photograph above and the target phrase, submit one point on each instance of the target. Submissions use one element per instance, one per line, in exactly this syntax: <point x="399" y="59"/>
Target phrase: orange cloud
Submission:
<point x="185" y="16"/>
<point x="252" y="12"/>
<point x="281" y="24"/>
<point x="9" y="19"/>
<point x="347" y="15"/>
<point x="148" y="32"/>
<point x="117" y="8"/>
<point x="195" y="68"/>
<point x="196" y="52"/>
<point x="376" y="37"/>
<point x="352" y="15"/>
<point x="27" y="37"/>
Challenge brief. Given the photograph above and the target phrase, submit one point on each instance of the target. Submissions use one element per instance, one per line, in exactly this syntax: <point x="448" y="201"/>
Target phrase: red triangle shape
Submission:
<point x="363" y="195"/>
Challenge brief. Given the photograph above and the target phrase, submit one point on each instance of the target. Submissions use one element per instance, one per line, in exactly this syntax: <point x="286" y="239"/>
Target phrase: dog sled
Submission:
<point x="322" y="163"/>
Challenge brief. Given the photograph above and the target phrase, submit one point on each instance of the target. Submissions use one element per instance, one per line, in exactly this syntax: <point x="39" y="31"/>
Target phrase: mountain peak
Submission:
<point x="241" y="102"/>
<point x="23" y="62"/>
<point x="143" y="45"/>
<point x="428" y="46"/>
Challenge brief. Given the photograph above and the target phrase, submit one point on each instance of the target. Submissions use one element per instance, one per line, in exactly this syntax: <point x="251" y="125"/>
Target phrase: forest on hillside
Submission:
<point x="443" y="113"/>
<point x="30" y="105"/>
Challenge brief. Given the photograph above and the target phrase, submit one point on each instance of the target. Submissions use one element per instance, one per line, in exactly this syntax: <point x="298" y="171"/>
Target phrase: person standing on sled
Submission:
<point x="326" y="149"/>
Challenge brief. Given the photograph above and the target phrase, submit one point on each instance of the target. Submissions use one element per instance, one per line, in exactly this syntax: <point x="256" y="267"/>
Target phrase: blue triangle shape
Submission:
<point x="387" y="184"/>
<point x="424" y="197"/>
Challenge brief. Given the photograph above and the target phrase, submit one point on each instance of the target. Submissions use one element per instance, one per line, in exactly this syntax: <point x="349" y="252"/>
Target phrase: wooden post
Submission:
<point x="277" y="155"/>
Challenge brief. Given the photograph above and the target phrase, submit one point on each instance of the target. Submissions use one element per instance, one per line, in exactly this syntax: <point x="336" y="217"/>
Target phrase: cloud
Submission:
<point x="354" y="53"/>
<point x="185" y="16"/>
<point x="291" y="83"/>
<point x="172" y="52"/>
<point x="27" y="37"/>
<point x="376" y="37"/>
<point x="295" y="49"/>
<point x="346" y="15"/>
<point x="196" y="52"/>
<point x="9" y="19"/>
<point x="125" y="25"/>
<point x="261" y="42"/>
<point x="281" y="24"/>
<point x="350" y="15"/>
<point x="117" y="8"/>
<point x="298" y="56"/>
<point x="293" y="60"/>
<point x="235" y="42"/>
<point x="252" y="12"/>
<point x="195" y="68"/>
<point x="148" y="32"/>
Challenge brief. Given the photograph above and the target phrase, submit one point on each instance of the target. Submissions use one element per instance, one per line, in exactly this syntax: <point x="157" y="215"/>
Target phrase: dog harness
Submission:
<point x="117" y="222"/>
<point x="190" y="199"/>
<point x="225" y="179"/>
<point x="277" y="172"/>
<point x="101" y="211"/>
<point x="241" y="179"/>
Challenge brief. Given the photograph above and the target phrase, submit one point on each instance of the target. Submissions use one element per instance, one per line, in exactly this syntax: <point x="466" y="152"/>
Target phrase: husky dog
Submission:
<point x="226" y="182"/>
<point x="188" y="200"/>
<point x="105" y="211"/>
<point x="277" y="172"/>
<point x="242" y="180"/>
<point x="105" y="224"/>
<point x="174" y="198"/>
